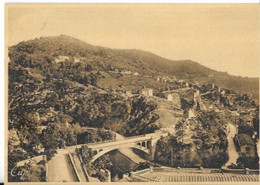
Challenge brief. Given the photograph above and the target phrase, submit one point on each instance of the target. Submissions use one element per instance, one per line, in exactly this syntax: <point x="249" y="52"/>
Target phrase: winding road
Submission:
<point x="232" y="152"/>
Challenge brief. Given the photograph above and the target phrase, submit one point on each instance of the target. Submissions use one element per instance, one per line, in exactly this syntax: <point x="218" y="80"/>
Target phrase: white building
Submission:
<point x="175" y="99"/>
<point x="147" y="92"/>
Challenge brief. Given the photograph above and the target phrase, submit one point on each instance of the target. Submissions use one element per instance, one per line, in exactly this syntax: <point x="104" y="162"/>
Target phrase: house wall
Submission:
<point x="147" y="92"/>
<point x="150" y="92"/>
<point x="169" y="97"/>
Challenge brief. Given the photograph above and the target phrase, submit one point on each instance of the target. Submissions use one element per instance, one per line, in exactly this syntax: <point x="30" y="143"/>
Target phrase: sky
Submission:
<point x="222" y="37"/>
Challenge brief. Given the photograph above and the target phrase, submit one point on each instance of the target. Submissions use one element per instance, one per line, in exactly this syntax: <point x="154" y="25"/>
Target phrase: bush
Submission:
<point x="248" y="162"/>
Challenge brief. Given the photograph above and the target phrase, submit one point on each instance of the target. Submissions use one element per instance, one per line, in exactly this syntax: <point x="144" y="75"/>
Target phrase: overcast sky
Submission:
<point x="222" y="37"/>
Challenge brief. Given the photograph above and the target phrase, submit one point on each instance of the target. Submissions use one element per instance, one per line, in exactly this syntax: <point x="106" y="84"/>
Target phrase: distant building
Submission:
<point x="147" y="92"/>
<point x="196" y="99"/>
<point x="61" y="59"/>
<point x="246" y="144"/>
<point x="169" y="97"/>
<point x="175" y="99"/>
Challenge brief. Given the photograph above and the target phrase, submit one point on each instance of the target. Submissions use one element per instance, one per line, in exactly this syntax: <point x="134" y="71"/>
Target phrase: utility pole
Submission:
<point x="76" y="140"/>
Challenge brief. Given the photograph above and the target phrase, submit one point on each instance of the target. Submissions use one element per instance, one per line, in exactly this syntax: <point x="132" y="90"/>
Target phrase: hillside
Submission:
<point x="58" y="87"/>
<point x="143" y="62"/>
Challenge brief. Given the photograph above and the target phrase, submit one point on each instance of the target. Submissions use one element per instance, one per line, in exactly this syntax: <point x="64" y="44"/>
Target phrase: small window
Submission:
<point x="247" y="149"/>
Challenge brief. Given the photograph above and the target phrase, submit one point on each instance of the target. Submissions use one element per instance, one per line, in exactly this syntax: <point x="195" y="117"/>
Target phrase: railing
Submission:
<point x="100" y="142"/>
<point x="194" y="175"/>
<point x="241" y="171"/>
<point x="121" y="142"/>
<point x="83" y="167"/>
<point x="141" y="178"/>
<point x="141" y="171"/>
<point x="74" y="168"/>
<point x="126" y="139"/>
<point x="197" y="170"/>
<point x="186" y="170"/>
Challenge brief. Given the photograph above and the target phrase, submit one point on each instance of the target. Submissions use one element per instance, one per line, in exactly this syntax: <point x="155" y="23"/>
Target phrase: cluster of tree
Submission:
<point x="246" y="162"/>
<point x="57" y="135"/>
<point x="207" y="145"/>
<point x="170" y="152"/>
<point x="95" y="135"/>
<point x="97" y="170"/>
<point x="134" y="116"/>
<point x="86" y="154"/>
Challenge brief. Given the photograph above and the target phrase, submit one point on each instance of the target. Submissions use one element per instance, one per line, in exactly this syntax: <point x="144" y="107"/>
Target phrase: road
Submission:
<point x="59" y="168"/>
<point x="232" y="153"/>
<point x="119" y="141"/>
<point x="128" y="151"/>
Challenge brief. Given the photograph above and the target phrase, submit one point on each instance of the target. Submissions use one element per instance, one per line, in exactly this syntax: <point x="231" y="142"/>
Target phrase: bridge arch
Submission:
<point x="105" y="151"/>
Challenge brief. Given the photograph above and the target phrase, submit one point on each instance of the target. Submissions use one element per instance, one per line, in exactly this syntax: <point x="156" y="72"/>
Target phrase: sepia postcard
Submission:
<point x="132" y="93"/>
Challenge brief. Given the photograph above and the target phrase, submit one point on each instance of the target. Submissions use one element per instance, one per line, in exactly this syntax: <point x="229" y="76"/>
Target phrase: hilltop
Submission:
<point x="138" y="61"/>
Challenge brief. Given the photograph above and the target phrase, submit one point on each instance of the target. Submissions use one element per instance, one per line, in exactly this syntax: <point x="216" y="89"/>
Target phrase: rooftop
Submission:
<point x="245" y="139"/>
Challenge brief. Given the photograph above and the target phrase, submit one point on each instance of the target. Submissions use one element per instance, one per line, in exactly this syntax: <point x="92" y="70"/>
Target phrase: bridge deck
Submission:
<point x="126" y="141"/>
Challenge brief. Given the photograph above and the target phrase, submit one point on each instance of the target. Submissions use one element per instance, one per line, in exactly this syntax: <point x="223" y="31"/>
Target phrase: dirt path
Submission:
<point x="232" y="153"/>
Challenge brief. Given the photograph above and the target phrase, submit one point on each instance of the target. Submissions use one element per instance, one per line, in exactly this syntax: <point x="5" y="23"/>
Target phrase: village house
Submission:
<point x="175" y="99"/>
<point x="245" y="144"/>
<point x="136" y="74"/>
<point x="61" y="59"/>
<point x="147" y="92"/>
<point x="169" y="97"/>
<point x="196" y="99"/>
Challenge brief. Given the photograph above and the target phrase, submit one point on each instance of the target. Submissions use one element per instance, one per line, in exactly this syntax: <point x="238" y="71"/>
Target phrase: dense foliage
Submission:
<point x="206" y="145"/>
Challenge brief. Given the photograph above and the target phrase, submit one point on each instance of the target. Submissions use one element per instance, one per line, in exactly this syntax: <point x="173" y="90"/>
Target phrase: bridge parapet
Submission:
<point x="145" y="143"/>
